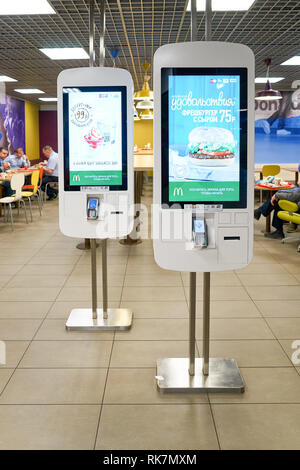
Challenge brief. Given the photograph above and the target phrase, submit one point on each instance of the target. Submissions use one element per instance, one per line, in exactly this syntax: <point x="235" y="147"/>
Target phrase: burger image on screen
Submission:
<point x="211" y="146"/>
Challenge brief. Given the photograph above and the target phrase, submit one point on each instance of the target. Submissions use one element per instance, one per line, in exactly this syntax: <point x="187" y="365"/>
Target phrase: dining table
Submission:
<point x="7" y="176"/>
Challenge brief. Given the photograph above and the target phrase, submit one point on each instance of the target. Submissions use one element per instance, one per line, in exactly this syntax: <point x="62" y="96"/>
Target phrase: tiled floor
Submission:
<point x="85" y="390"/>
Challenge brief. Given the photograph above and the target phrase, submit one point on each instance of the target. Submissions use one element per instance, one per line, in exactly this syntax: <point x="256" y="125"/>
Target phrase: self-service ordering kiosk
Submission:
<point x="203" y="182"/>
<point x="95" y="144"/>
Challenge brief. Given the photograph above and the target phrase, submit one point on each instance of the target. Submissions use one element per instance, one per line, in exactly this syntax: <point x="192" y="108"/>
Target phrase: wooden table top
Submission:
<point x="9" y="174"/>
<point x="143" y="162"/>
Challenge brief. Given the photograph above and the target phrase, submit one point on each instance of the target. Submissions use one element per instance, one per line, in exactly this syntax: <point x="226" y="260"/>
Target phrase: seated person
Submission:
<point x="4" y="165"/>
<point x="18" y="160"/>
<point x="270" y="205"/>
<point x="50" y="172"/>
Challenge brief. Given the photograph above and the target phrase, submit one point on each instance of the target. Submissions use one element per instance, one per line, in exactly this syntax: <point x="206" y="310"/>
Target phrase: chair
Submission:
<point x="16" y="184"/>
<point x="39" y="192"/>
<point x="289" y="214"/>
<point x="54" y="183"/>
<point x="269" y="170"/>
<point x="28" y="194"/>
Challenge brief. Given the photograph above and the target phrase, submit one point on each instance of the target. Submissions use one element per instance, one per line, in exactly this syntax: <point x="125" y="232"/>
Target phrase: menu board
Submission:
<point x="202" y="140"/>
<point x="95" y="126"/>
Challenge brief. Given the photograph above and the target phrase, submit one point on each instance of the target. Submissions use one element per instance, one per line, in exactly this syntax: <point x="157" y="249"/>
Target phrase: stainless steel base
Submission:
<point x="82" y="319"/>
<point x="173" y="376"/>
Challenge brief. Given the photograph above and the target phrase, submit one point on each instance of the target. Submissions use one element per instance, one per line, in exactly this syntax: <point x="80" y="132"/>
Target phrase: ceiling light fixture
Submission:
<point x="145" y="104"/>
<point x="28" y="7"/>
<point x="29" y="91"/>
<point x="221" y="5"/>
<point x="146" y="114"/>
<point x="5" y="78"/>
<point x="65" y="53"/>
<point x="268" y="94"/>
<point x="295" y="60"/>
<point x="48" y="99"/>
<point x="271" y="79"/>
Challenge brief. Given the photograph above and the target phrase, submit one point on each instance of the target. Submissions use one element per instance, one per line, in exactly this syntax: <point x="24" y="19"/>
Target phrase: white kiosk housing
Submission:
<point x="95" y="145"/>
<point x="203" y="171"/>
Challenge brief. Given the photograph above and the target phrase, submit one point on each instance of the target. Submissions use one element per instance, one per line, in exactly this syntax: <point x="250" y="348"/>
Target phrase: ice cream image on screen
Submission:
<point x="211" y="146"/>
<point x="94" y="138"/>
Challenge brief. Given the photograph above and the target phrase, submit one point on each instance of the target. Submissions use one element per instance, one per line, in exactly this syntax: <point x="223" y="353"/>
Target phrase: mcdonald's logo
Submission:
<point x="178" y="192"/>
<point x="76" y="178"/>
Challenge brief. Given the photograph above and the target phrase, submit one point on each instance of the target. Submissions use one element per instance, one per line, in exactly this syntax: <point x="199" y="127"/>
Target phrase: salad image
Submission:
<point x="94" y="138"/>
<point x="211" y="146"/>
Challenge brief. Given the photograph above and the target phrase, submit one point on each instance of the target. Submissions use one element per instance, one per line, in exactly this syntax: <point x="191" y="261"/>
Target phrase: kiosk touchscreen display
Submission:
<point x="95" y="137"/>
<point x="204" y="136"/>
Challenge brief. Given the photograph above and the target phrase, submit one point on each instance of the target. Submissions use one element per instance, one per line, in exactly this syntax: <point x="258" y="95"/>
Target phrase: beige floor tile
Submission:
<point x="52" y="427"/>
<point x="84" y="280"/>
<point x="150" y="268"/>
<point x="140" y="260"/>
<point x="148" y="294"/>
<point x="156" y="427"/>
<point x="49" y="270"/>
<point x="55" y="386"/>
<point x="293" y="268"/>
<point x="155" y="309"/>
<point x="153" y="280"/>
<point x="285" y="328"/>
<point x="260" y="268"/>
<point x="273" y="280"/>
<point x="14" y="351"/>
<point x="24" y="294"/>
<point x="5" y="279"/>
<point x="250" y="353"/>
<point x="264" y="259"/>
<point x="258" y="427"/>
<point x="227" y="278"/>
<point x="45" y="261"/>
<point x="229" y="309"/>
<point x="63" y="309"/>
<point x="155" y="329"/>
<point x="115" y="269"/>
<point x="292" y="350"/>
<point x="272" y="293"/>
<point x="237" y="328"/>
<point x="265" y="385"/>
<point x="29" y="281"/>
<point x="5" y="375"/>
<point x="111" y="260"/>
<point x="24" y="309"/>
<point x="223" y="293"/>
<point x="65" y="354"/>
<point x="18" y="329"/>
<point x="279" y="308"/>
<point x="13" y="260"/>
<point x="146" y="353"/>
<point x="55" y="329"/>
<point x="138" y="386"/>
<point x="85" y="294"/>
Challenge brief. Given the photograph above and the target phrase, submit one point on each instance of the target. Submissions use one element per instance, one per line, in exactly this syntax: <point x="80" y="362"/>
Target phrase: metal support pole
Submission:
<point x="94" y="277"/>
<point x="206" y="322"/>
<point x="104" y="278"/>
<point x="92" y="33"/>
<point x="208" y="15"/>
<point x="192" y="325"/>
<point x="193" y="20"/>
<point x="102" y="33"/>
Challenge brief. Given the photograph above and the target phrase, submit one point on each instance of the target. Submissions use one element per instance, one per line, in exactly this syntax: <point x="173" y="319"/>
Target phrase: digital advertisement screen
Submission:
<point x="95" y="137"/>
<point x="203" y="136"/>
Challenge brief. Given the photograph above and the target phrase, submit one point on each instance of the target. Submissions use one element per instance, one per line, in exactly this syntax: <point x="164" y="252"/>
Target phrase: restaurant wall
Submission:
<point x="143" y="132"/>
<point x="48" y="129"/>
<point x="32" y="130"/>
<point x="12" y="123"/>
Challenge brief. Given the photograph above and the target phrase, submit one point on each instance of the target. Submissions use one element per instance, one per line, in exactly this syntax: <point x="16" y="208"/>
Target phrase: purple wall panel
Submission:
<point x="48" y="130"/>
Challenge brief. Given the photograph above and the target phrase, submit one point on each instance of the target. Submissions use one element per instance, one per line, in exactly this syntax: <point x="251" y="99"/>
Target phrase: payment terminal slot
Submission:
<point x="92" y="208"/>
<point x="200" y="234"/>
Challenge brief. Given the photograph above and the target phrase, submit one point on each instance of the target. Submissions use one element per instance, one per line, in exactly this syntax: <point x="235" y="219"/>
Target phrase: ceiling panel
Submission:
<point x="137" y="28"/>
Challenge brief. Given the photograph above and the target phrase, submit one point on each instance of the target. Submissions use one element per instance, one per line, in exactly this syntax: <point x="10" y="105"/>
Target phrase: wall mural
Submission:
<point x="12" y="123"/>
<point x="277" y="129"/>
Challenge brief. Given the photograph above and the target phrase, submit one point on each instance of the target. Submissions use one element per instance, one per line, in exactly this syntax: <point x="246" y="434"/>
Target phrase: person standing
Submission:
<point x="50" y="172"/>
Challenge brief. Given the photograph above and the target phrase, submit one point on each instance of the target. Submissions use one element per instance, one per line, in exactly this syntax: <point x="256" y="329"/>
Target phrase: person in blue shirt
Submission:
<point x="18" y="160"/>
<point x="50" y="172"/>
<point x="4" y="165"/>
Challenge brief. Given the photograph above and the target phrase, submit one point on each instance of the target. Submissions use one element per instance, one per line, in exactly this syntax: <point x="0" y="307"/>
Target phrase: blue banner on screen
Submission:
<point x="204" y="137"/>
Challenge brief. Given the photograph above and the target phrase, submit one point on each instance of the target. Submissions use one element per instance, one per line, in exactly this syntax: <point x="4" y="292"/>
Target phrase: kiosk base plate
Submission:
<point x="82" y="319"/>
<point x="172" y="375"/>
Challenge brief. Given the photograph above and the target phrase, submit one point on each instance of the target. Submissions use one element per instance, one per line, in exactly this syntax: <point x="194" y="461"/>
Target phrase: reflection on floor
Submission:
<point x="74" y="390"/>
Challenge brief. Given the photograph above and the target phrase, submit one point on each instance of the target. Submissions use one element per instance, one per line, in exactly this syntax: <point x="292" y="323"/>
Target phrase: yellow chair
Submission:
<point x="289" y="214"/>
<point x="29" y="194"/>
<point x="270" y="170"/>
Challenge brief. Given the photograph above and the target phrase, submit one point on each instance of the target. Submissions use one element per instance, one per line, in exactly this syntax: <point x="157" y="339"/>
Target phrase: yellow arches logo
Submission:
<point x="178" y="192"/>
<point x="76" y="178"/>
